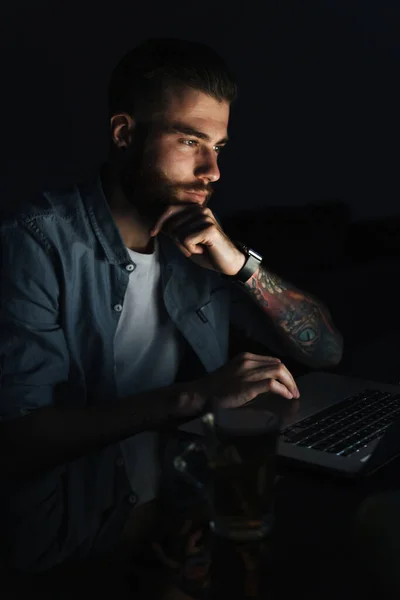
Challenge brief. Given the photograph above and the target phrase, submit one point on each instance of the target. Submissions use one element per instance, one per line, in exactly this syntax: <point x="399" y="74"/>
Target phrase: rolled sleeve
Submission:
<point x="33" y="352"/>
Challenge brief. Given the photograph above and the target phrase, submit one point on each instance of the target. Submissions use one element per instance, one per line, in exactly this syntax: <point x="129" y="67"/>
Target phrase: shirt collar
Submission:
<point x="103" y="224"/>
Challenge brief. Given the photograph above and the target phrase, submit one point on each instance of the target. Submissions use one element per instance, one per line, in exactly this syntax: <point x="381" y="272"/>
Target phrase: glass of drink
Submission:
<point x="239" y="454"/>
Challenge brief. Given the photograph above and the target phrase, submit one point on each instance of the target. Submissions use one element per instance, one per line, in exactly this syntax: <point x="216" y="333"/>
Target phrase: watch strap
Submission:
<point x="251" y="265"/>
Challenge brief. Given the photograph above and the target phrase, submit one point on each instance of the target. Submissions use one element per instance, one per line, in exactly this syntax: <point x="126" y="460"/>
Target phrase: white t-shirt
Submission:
<point x="147" y="355"/>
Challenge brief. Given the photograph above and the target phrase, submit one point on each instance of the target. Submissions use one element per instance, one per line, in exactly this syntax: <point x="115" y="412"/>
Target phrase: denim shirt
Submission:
<point x="64" y="274"/>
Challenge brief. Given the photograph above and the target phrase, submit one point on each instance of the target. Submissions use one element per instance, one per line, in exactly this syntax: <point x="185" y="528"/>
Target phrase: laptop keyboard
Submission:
<point x="348" y="426"/>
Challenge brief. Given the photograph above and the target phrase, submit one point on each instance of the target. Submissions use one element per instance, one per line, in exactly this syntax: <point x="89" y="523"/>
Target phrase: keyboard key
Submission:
<point x="337" y="448"/>
<point x="346" y="452"/>
<point x="295" y="438"/>
<point x="321" y="446"/>
<point x="309" y="441"/>
<point x="350" y="424"/>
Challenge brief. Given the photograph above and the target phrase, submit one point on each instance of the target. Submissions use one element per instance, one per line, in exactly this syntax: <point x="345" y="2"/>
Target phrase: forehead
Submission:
<point x="197" y="109"/>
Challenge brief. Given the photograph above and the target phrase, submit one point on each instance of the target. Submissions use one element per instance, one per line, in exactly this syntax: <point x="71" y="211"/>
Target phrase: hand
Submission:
<point x="198" y="235"/>
<point x="238" y="382"/>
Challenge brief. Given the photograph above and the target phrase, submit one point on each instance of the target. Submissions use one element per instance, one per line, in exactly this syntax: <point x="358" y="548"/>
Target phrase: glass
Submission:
<point x="237" y="473"/>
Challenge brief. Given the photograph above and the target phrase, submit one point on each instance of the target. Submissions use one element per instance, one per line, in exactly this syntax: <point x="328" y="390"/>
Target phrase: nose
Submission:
<point x="208" y="166"/>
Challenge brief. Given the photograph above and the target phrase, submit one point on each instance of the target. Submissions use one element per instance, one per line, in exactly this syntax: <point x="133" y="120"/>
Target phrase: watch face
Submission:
<point x="255" y="254"/>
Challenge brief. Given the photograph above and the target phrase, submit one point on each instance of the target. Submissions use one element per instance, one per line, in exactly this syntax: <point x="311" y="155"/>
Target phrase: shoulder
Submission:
<point x="61" y="202"/>
<point x="47" y="213"/>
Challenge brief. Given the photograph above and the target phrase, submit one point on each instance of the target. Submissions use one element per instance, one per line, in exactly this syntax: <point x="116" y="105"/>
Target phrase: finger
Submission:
<point x="258" y="357"/>
<point x="191" y="225"/>
<point x="269" y="385"/>
<point x="280" y="373"/>
<point x="248" y="362"/>
<point x="297" y="392"/>
<point x="160" y="222"/>
<point x="195" y="242"/>
<point x="182" y="248"/>
<point x="192" y="237"/>
<point x="167" y="214"/>
<point x="276" y="387"/>
<point x="185" y="219"/>
<point x="288" y="377"/>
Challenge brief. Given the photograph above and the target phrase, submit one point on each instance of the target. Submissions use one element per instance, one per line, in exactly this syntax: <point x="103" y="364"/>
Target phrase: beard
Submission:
<point x="150" y="191"/>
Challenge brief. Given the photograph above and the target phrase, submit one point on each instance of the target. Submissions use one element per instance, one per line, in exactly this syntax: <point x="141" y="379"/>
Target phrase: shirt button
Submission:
<point x="130" y="267"/>
<point x="117" y="307"/>
<point x="132" y="499"/>
<point x="119" y="462"/>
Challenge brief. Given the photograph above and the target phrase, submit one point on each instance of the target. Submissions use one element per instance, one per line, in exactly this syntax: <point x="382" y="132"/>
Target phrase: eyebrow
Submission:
<point x="187" y="130"/>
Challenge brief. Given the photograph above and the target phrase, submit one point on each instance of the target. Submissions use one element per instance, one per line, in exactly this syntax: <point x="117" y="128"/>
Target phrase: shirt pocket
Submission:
<point x="215" y="315"/>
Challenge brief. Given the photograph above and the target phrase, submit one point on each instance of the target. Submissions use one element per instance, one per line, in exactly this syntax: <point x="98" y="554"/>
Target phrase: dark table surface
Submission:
<point x="314" y="546"/>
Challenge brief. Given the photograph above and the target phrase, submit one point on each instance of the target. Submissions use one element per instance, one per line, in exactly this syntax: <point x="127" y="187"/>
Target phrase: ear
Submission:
<point x="122" y="126"/>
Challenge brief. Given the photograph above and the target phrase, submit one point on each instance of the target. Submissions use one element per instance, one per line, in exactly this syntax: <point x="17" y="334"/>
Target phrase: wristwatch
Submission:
<point x="251" y="265"/>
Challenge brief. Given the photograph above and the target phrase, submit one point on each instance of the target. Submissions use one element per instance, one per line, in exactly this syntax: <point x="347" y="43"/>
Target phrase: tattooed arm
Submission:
<point x="302" y="322"/>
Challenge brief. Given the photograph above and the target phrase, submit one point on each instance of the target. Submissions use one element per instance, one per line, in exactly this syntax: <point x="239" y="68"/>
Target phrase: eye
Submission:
<point x="218" y="149"/>
<point x="308" y="335"/>
<point x="190" y="143"/>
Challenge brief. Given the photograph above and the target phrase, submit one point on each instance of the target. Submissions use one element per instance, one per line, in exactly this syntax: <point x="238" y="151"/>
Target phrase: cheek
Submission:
<point x="176" y="165"/>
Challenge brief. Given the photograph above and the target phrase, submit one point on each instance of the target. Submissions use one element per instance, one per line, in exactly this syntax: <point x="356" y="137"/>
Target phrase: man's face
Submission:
<point x="177" y="161"/>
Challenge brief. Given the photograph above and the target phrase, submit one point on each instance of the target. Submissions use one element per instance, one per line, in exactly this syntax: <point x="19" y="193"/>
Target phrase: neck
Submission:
<point x="133" y="228"/>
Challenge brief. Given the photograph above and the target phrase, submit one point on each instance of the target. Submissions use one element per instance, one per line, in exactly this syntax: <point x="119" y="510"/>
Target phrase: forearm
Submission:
<point x="303" y="323"/>
<point x="53" y="435"/>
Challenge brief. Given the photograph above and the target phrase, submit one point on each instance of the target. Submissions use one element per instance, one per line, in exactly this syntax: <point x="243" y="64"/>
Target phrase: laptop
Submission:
<point x="340" y="424"/>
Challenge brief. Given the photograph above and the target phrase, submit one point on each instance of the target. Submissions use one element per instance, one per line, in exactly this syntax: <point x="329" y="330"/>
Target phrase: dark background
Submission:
<point x="316" y="121"/>
<point x="311" y="176"/>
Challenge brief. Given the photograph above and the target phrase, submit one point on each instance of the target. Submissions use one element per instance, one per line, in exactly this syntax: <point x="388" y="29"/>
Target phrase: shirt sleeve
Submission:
<point x="251" y="321"/>
<point x="33" y="351"/>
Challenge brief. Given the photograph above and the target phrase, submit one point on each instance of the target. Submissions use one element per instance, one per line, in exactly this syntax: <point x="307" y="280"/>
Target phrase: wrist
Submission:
<point x="240" y="262"/>
<point x="189" y="402"/>
<point x="251" y="264"/>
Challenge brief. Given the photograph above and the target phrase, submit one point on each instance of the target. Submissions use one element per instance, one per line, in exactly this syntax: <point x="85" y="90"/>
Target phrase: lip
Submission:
<point x="198" y="195"/>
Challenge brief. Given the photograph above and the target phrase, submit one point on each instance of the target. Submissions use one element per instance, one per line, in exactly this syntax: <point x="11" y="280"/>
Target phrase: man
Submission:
<point x="115" y="304"/>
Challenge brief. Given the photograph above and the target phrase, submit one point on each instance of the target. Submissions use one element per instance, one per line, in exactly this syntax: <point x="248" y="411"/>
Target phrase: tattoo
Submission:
<point x="302" y="321"/>
<point x="267" y="282"/>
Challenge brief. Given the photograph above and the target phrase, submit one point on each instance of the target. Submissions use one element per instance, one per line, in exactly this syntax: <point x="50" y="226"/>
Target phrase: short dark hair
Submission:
<point x="144" y="73"/>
